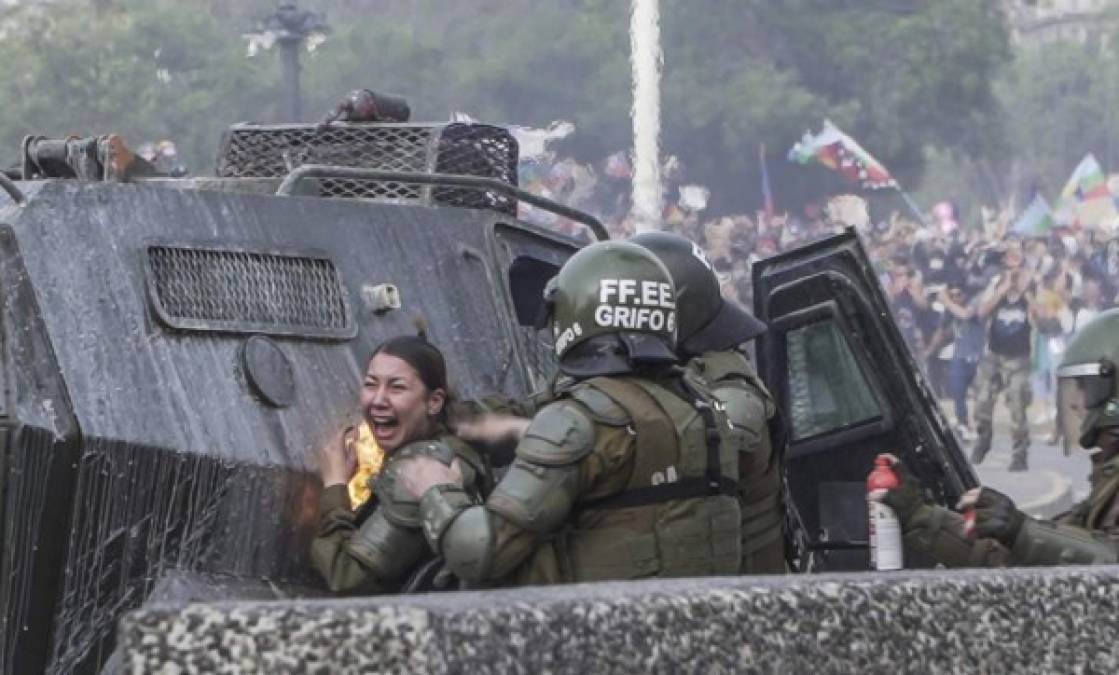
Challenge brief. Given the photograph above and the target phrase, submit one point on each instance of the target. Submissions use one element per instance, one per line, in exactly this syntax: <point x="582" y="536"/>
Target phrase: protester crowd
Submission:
<point x="935" y="271"/>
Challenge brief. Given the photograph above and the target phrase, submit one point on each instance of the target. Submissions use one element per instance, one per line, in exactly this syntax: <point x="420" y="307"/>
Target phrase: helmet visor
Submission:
<point x="1081" y="388"/>
<point x="1071" y="409"/>
<point x="1096" y="380"/>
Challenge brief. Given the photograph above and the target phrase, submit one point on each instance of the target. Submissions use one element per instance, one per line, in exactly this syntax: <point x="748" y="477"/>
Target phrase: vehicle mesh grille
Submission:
<point x="246" y="291"/>
<point x="470" y="149"/>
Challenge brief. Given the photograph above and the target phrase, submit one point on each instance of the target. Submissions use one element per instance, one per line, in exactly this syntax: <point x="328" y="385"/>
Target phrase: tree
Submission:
<point x="738" y="73"/>
<point x="1060" y="103"/>
<point x="897" y="75"/>
<point x="149" y="70"/>
<point x="1055" y="103"/>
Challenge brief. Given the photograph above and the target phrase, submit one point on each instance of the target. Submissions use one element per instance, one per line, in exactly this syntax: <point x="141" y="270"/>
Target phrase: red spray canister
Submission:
<point x="885" y="529"/>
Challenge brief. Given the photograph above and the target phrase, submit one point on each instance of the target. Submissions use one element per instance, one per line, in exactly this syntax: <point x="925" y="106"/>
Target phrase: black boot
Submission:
<point x="983" y="438"/>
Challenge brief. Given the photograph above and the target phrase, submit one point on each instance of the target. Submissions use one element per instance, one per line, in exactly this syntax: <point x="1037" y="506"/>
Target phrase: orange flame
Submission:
<point x="370" y="457"/>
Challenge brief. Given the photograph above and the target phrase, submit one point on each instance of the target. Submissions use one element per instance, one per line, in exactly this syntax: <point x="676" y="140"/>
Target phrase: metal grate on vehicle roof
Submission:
<point x="272" y="151"/>
<point x="243" y="291"/>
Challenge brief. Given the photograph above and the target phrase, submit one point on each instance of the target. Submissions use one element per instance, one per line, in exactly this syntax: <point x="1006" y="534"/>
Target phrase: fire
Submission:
<point x="370" y="457"/>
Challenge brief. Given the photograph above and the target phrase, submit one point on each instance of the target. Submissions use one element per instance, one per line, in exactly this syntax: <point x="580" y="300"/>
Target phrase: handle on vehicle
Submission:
<point x="9" y="186"/>
<point x="445" y="180"/>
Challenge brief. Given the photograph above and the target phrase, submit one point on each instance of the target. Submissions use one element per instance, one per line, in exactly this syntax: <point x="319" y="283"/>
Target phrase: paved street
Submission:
<point x="1053" y="483"/>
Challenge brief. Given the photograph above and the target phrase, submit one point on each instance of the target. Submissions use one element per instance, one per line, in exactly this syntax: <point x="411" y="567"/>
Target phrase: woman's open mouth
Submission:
<point x="385" y="427"/>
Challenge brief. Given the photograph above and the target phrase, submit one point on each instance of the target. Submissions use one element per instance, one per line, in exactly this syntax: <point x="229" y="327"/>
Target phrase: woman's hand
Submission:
<point x="492" y="428"/>
<point x="419" y="474"/>
<point x="338" y="459"/>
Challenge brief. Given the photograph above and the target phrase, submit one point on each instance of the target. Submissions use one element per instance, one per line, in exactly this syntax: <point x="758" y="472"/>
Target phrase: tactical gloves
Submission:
<point x="992" y="514"/>
<point x="936" y="535"/>
<point x="989" y="512"/>
<point x="907" y="498"/>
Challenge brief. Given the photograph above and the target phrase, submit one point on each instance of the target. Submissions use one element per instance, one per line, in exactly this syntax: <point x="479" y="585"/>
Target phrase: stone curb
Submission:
<point x="935" y="621"/>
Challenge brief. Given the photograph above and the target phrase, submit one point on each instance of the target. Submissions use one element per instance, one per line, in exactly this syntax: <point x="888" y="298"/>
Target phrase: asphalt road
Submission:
<point x="1053" y="482"/>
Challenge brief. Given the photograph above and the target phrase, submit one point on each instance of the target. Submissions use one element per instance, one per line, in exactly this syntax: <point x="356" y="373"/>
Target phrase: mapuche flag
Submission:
<point x="839" y="152"/>
<point x="1086" y="199"/>
<point x="1035" y="221"/>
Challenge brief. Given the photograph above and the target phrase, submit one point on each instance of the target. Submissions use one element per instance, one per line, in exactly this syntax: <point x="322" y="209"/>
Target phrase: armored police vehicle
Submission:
<point x="175" y="349"/>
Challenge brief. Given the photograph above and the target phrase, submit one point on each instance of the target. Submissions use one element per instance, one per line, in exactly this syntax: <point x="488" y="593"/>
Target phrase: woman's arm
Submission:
<point x="489" y="541"/>
<point x="373" y="555"/>
<point x="371" y="558"/>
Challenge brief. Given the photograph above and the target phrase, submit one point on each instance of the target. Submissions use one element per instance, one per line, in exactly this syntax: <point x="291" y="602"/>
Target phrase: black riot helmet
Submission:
<point x="706" y="321"/>
<point x="613" y="309"/>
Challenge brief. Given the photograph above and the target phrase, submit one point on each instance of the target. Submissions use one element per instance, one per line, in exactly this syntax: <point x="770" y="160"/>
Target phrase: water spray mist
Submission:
<point x="646" y="60"/>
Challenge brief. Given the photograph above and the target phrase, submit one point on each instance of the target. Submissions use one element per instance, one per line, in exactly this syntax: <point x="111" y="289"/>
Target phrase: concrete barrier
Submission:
<point x="1022" y="620"/>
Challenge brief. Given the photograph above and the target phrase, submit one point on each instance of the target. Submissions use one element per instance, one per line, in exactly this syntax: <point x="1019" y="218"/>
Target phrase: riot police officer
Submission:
<point x="711" y="330"/>
<point x="1089" y="396"/>
<point x="630" y="472"/>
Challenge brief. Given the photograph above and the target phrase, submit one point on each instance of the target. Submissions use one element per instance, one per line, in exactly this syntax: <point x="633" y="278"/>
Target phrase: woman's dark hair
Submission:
<point x="427" y="361"/>
<point x="423" y="356"/>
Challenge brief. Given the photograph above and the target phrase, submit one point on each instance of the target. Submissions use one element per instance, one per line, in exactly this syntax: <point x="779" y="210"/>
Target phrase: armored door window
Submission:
<point x="827" y="389"/>
<point x="515" y="242"/>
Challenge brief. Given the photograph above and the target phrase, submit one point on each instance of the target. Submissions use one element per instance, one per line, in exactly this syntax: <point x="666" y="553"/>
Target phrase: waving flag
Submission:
<point x="1087" y="181"/>
<point x="1086" y="199"/>
<point x="1035" y="221"/>
<point x="767" y="193"/>
<point x="839" y="152"/>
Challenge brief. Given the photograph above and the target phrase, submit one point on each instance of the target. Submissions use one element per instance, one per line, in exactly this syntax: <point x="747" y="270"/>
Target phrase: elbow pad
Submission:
<point x="539" y="489"/>
<point x="535" y="498"/>
<point x="389" y="550"/>
<point x="458" y="530"/>
<point x="1044" y="543"/>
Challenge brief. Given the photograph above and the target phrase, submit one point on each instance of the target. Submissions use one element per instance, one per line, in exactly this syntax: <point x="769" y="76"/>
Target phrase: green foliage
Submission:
<point x="899" y="75"/>
<point x="1060" y="102"/>
<point x="148" y="69"/>
<point x="1055" y="103"/>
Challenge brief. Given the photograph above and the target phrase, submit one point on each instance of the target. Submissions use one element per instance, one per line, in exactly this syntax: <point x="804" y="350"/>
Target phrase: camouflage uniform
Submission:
<point x="998" y="373"/>
<point x="377" y="548"/>
<point x="1005" y="366"/>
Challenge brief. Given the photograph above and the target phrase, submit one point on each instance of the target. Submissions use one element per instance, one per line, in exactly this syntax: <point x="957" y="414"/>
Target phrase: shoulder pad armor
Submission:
<point x="386" y="547"/>
<point x="475" y="470"/>
<point x="726" y="370"/>
<point x="398" y="505"/>
<point x="602" y="408"/>
<point x="714" y="366"/>
<point x="744" y="406"/>
<point x="435" y="448"/>
<point x="559" y="435"/>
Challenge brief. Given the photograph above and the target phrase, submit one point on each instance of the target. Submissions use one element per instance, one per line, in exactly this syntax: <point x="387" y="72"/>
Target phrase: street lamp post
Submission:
<point x="645" y="59"/>
<point x="289" y="27"/>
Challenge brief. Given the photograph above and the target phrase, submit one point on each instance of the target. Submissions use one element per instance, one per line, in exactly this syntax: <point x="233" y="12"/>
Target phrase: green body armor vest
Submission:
<point x="760" y="440"/>
<point x="679" y="515"/>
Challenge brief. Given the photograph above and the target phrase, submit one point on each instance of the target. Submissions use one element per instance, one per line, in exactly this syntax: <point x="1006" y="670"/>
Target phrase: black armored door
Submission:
<point x="849" y="390"/>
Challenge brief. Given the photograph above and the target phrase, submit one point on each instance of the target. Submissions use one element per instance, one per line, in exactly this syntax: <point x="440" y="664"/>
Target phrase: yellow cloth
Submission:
<point x="370" y="458"/>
